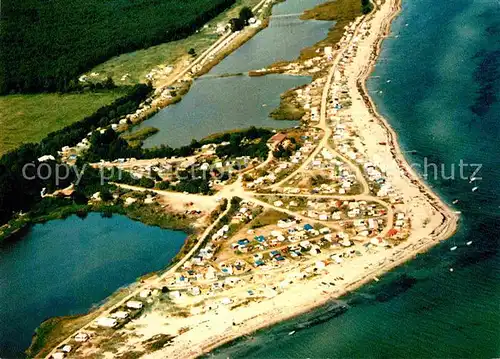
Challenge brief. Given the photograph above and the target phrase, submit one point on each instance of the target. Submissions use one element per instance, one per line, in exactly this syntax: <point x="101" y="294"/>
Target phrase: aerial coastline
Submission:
<point x="446" y="228"/>
<point x="430" y="219"/>
<point x="285" y="221"/>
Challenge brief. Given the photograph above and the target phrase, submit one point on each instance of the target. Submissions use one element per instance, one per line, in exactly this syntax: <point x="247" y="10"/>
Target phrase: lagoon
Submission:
<point x="217" y="104"/>
<point x="65" y="267"/>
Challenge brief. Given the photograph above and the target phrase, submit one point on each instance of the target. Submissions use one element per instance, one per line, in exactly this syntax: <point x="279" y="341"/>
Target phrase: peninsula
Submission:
<point x="333" y="204"/>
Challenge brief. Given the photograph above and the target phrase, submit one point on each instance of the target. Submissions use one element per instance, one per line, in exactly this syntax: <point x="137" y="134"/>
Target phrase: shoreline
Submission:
<point x="259" y="319"/>
<point x="449" y="221"/>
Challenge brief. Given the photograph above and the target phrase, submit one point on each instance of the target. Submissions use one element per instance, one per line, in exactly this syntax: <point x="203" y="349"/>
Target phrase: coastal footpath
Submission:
<point x="186" y="327"/>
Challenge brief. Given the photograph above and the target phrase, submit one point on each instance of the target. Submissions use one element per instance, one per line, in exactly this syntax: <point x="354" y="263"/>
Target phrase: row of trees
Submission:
<point x="110" y="146"/>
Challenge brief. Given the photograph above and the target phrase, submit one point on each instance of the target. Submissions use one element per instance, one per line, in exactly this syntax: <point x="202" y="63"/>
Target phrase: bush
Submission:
<point x="246" y="14"/>
<point x="163" y="185"/>
<point x="105" y="194"/>
<point x="146" y="182"/>
<point x="236" y="24"/>
<point x="366" y="6"/>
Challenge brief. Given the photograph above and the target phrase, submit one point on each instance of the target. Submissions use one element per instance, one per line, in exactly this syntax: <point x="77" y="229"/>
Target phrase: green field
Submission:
<point x="29" y="118"/>
<point x="46" y="45"/>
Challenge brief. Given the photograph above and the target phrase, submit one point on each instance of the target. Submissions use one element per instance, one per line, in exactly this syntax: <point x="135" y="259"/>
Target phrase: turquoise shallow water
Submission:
<point x="443" y="60"/>
<point x="64" y="267"/>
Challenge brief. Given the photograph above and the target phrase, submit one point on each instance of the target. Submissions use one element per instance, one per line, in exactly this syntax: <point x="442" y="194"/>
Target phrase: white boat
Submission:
<point x="472" y="179"/>
<point x="474" y="189"/>
<point x="453" y="248"/>
<point x="292" y="332"/>
<point x="376" y="279"/>
<point x="469" y="243"/>
<point x="455" y="201"/>
<point x="457" y="212"/>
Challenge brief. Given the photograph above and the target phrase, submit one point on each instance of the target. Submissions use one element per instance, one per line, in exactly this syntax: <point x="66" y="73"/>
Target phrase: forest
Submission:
<point x="46" y="45"/>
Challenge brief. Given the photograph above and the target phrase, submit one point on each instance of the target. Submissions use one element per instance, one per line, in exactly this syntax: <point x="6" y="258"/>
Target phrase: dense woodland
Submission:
<point x="47" y="44"/>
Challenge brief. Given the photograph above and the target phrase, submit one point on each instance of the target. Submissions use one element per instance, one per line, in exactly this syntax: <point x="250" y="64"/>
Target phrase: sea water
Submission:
<point x="437" y="81"/>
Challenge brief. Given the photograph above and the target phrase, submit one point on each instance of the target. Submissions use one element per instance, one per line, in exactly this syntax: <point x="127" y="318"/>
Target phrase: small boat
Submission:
<point x="388" y="81"/>
<point x="292" y="332"/>
<point x="453" y="248"/>
<point x="457" y="212"/>
<point x="455" y="201"/>
<point x="472" y="179"/>
<point x="451" y="269"/>
<point x="474" y="189"/>
<point x="469" y="243"/>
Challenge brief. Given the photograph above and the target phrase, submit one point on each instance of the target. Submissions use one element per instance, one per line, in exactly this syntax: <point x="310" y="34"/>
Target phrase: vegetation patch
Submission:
<point x="288" y="109"/>
<point x="340" y="11"/>
<point x="157" y="342"/>
<point x="267" y="218"/>
<point x="137" y="137"/>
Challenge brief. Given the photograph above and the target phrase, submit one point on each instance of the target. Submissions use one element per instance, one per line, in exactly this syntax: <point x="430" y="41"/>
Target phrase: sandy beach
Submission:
<point x="432" y="221"/>
<point x="198" y="326"/>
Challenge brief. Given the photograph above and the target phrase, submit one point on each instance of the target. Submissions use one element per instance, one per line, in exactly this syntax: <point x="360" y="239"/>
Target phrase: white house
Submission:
<point x="106" y="322"/>
<point x="134" y="304"/>
<point x="81" y="337"/>
<point x="120" y="315"/>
